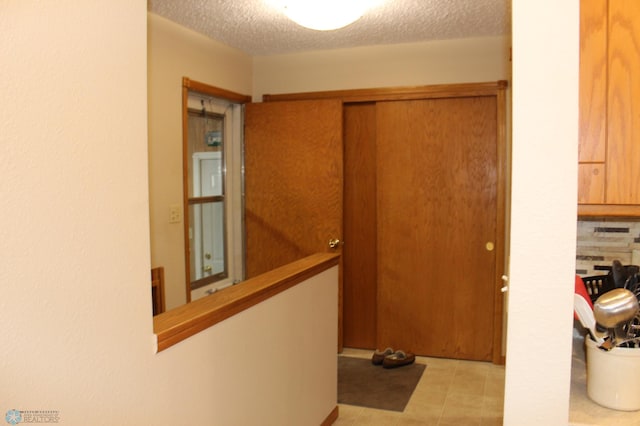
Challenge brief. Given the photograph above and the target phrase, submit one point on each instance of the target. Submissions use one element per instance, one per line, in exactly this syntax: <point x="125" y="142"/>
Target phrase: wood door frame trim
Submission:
<point x="332" y="417"/>
<point x="196" y="86"/>
<point x="193" y="86"/>
<point x="501" y="224"/>
<point x="397" y="93"/>
<point x="497" y="89"/>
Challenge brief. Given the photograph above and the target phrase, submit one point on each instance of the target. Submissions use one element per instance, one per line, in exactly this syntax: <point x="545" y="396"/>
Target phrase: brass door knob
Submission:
<point x="334" y="243"/>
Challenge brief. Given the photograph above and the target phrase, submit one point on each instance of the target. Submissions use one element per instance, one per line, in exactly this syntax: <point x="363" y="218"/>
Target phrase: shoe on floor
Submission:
<point x="398" y="359"/>
<point x="379" y="356"/>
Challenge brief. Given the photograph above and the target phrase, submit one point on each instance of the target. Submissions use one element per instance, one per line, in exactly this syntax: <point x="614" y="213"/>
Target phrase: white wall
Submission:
<point x="411" y="64"/>
<point x="544" y="211"/>
<point x="175" y="52"/>
<point x="75" y="303"/>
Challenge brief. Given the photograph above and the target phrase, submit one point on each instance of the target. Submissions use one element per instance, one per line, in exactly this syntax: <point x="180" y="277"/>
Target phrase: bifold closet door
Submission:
<point x="436" y="216"/>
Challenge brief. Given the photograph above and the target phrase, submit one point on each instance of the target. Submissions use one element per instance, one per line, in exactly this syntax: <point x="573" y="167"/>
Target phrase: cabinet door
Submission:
<point x="593" y="80"/>
<point x="591" y="183"/>
<point x="623" y="147"/>
<point x="593" y="105"/>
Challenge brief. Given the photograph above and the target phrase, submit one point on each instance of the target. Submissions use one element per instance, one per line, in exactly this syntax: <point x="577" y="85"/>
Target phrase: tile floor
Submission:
<point x="456" y="393"/>
<point x="450" y="393"/>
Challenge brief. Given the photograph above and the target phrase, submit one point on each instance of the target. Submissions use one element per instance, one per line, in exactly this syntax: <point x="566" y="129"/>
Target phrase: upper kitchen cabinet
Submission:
<point x="623" y="100"/>
<point x="609" y="166"/>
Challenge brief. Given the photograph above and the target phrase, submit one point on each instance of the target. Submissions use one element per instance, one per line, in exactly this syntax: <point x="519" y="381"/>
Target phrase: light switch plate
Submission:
<point x="175" y="213"/>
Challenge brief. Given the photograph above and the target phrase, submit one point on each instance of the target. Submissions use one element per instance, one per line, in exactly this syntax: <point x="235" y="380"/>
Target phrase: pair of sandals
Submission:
<point x="392" y="359"/>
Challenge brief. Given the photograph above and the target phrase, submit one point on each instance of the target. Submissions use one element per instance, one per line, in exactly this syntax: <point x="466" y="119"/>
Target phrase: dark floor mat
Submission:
<point x="364" y="384"/>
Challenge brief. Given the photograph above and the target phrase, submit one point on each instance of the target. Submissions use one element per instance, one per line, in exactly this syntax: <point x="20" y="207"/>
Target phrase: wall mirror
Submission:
<point x="212" y="188"/>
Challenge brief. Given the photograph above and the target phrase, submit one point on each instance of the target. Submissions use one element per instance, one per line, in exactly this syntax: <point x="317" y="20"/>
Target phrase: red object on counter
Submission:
<point x="581" y="290"/>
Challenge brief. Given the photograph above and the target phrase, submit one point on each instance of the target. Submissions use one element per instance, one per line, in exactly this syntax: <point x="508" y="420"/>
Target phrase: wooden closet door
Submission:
<point x="360" y="224"/>
<point x="437" y="213"/>
<point x="293" y="181"/>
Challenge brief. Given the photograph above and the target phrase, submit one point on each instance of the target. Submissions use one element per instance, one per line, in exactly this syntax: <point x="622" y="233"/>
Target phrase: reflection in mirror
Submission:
<point x="212" y="174"/>
<point x="206" y="200"/>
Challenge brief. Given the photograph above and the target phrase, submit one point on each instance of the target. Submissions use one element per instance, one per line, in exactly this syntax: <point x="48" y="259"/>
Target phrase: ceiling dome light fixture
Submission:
<point x="324" y="15"/>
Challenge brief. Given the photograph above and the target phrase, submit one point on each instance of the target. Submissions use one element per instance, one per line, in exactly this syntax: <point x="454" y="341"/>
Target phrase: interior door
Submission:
<point x="436" y="208"/>
<point x="293" y="181"/>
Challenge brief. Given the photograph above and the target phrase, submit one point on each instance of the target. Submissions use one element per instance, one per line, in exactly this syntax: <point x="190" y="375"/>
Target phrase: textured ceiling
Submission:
<point x="257" y="28"/>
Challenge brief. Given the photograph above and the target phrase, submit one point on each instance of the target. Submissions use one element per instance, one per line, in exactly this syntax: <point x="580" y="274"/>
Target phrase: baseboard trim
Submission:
<point x="331" y="418"/>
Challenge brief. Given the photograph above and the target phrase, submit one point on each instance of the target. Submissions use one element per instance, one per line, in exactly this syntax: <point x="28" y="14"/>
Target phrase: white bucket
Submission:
<point x="613" y="377"/>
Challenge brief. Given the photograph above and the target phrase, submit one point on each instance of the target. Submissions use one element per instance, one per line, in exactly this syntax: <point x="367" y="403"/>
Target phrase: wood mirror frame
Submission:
<point x="233" y="99"/>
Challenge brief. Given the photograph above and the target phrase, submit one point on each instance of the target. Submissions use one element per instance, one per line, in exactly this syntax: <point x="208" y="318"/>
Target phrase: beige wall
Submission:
<point x="273" y="364"/>
<point x="175" y="52"/>
<point x="74" y="242"/>
<point x="410" y="64"/>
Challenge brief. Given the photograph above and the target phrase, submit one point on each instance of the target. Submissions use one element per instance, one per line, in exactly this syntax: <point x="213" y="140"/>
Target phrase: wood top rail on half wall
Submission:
<point x="184" y="321"/>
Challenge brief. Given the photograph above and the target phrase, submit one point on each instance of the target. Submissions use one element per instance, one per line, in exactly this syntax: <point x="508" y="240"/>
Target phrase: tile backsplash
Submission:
<point x="600" y="242"/>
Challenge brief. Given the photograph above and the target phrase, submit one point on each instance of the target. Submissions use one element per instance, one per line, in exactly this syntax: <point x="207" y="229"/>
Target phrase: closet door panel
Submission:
<point x="437" y="213"/>
<point x="359" y="252"/>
